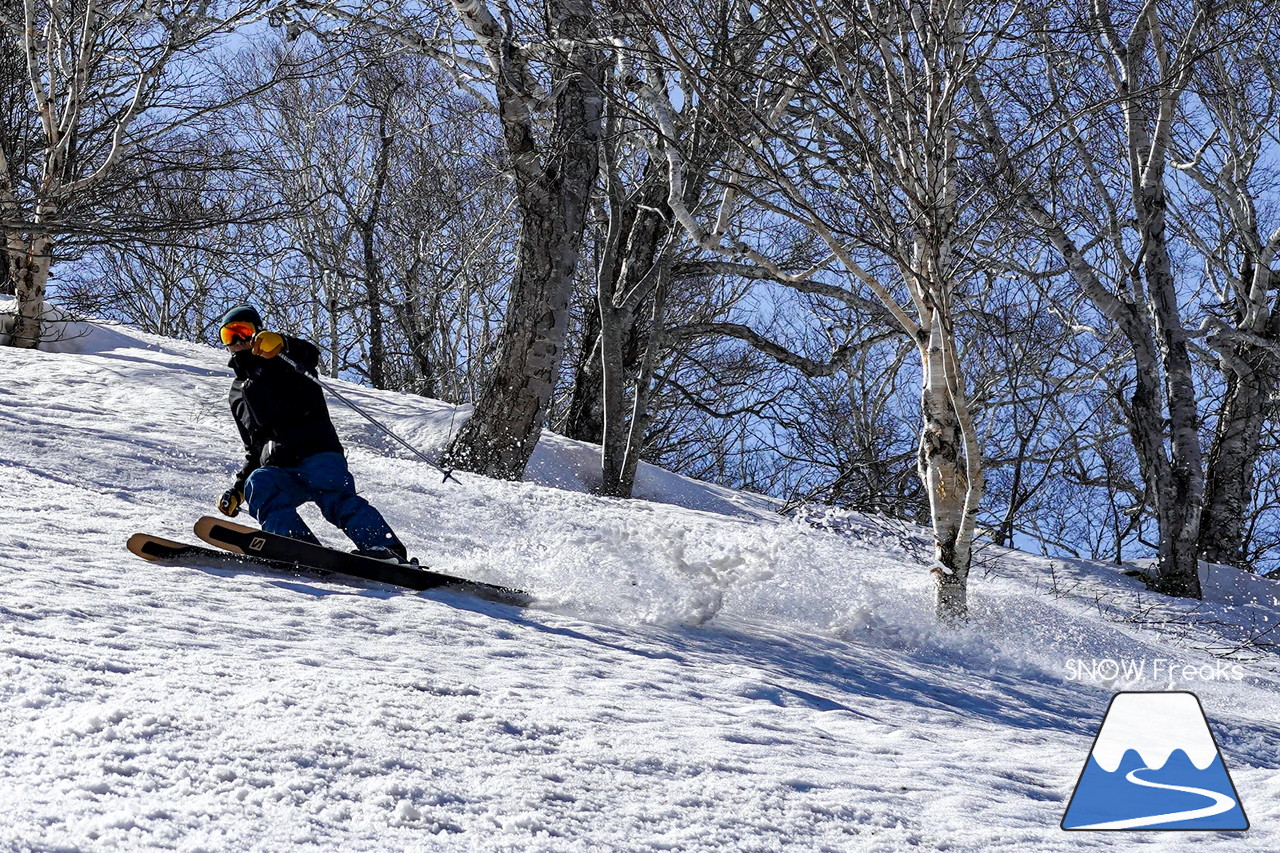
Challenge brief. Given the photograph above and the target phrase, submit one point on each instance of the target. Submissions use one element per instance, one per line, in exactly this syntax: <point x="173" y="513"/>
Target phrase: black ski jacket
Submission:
<point x="281" y="414"/>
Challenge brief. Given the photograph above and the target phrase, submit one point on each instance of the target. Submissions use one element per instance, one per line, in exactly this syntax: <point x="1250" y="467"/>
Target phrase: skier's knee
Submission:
<point x="269" y="487"/>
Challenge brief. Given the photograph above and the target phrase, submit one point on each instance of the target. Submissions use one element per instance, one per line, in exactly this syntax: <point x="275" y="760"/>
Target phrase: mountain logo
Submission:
<point x="1155" y="765"/>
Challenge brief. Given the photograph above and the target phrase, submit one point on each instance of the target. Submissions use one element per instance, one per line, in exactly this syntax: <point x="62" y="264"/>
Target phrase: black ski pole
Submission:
<point x="338" y="395"/>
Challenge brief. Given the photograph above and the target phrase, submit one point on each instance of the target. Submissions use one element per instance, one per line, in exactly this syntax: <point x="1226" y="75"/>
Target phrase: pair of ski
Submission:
<point x="256" y="548"/>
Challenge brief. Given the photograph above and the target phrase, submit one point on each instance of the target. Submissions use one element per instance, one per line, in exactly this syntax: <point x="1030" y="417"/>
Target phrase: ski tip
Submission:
<point x="153" y="548"/>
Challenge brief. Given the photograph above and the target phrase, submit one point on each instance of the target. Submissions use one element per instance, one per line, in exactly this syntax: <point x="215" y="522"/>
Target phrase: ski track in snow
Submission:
<point x="697" y="677"/>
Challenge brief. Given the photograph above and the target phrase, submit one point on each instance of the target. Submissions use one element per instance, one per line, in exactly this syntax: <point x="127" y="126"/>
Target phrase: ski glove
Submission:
<point x="229" y="503"/>
<point x="267" y="344"/>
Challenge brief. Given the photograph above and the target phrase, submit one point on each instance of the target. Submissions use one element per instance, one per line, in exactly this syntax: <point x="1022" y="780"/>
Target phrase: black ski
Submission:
<point x="258" y="543"/>
<point x="157" y="549"/>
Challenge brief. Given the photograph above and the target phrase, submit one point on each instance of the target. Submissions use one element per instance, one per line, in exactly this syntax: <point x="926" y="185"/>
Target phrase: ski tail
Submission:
<point x="155" y="548"/>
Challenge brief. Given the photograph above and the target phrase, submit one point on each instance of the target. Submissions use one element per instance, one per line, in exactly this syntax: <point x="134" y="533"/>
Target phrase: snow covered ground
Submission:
<point x="699" y="673"/>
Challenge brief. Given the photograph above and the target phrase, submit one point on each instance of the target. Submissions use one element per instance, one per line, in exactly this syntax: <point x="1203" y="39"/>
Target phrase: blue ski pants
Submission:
<point x="274" y="495"/>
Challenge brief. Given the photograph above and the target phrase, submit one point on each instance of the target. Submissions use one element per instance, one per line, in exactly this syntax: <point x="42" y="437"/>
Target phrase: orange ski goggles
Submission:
<point x="236" y="332"/>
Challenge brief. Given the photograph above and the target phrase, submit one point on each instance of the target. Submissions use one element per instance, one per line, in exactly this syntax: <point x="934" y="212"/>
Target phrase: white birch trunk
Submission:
<point x="949" y="458"/>
<point x="29" y="263"/>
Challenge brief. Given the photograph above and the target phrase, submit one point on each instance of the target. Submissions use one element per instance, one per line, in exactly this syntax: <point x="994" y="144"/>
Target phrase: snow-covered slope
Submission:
<point x="700" y="673"/>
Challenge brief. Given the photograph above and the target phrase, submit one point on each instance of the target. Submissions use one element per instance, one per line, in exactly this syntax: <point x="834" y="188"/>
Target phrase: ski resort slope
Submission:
<point x="699" y="674"/>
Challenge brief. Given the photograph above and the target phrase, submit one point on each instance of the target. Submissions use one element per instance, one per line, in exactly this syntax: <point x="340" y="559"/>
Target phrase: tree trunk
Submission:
<point x="377" y="367"/>
<point x="1251" y="371"/>
<point x="1181" y="497"/>
<point x="368" y="244"/>
<point x="621" y="297"/>
<point x="1230" y="468"/>
<point x="1169" y="454"/>
<point x="29" y="272"/>
<point x="952" y="480"/>
<point x="500" y="436"/>
<point x="613" y="381"/>
<point x="585" y="420"/>
<point x="553" y="188"/>
<point x="641" y="412"/>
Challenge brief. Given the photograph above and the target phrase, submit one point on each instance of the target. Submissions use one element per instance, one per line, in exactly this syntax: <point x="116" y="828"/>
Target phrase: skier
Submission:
<point x="292" y="452"/>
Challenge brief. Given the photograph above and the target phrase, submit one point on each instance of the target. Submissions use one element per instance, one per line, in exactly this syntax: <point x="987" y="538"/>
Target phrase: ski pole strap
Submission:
<point x="338" y="395"/>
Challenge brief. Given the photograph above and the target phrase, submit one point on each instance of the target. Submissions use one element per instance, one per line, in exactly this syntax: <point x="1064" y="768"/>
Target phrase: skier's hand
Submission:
<point x="229" y="503"/>
<point x="267" y="344"/>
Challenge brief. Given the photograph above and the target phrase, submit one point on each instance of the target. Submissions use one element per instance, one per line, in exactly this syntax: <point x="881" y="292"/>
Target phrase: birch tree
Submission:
<point x="856" y="127"/>
<point x="551" y="129"/>
<point x="1113" y="78"/>
<point x="541" y="69"/>
<point x="1223" y="145"/>
<point x="18" y="132"/>
<point x="103" y="79"/>
<point x="335" y="136"/>
<point x="653" y="118"/>
<point x="897" y="121"/>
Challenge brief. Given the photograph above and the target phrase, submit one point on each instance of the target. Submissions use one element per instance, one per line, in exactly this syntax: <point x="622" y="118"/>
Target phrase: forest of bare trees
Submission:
<point x="1007" y="270"/>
